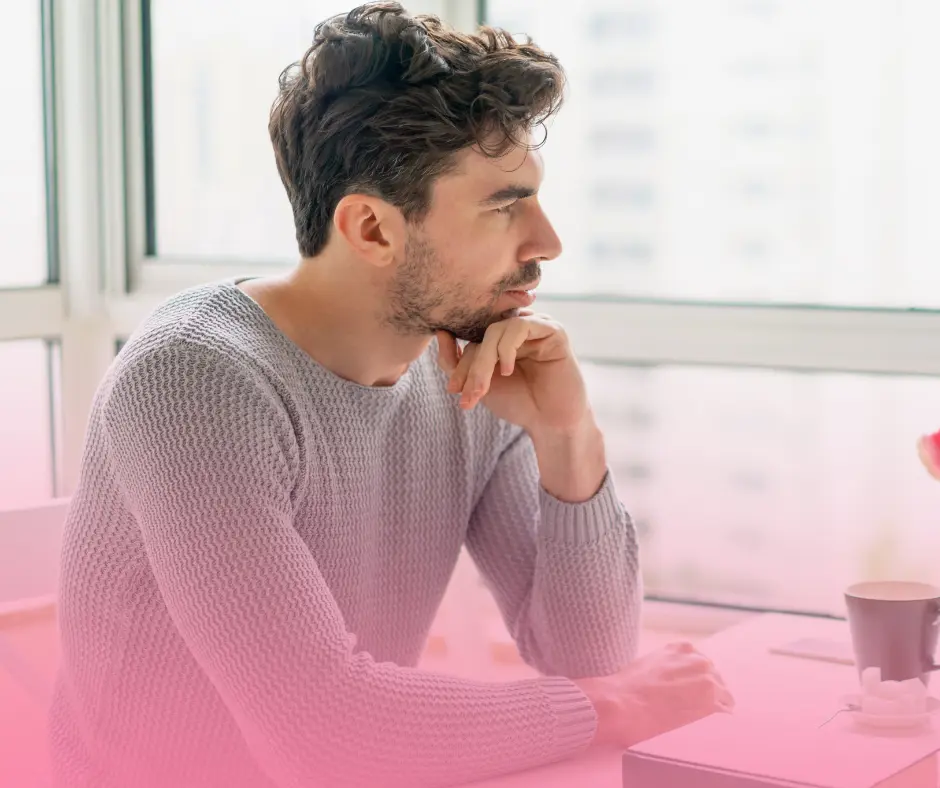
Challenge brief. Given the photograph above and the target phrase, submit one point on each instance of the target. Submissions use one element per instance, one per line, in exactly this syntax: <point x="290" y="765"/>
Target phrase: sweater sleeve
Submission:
<point x="565" y="575"/>
<point x="208" y="458"/>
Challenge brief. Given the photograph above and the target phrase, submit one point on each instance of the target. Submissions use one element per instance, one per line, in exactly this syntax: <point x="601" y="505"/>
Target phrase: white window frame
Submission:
<point x="107" y="285"/>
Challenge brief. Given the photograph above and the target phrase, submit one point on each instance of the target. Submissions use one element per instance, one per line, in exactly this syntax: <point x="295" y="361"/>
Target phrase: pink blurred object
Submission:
<point x="928" y="447"/>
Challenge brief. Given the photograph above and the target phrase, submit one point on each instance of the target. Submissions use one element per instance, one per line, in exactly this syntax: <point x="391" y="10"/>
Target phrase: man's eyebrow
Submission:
<point x="508" y="193"/>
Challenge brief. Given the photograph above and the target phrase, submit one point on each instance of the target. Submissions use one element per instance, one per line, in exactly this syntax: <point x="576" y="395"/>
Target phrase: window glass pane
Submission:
<point x="22" y="163"/>
<point x="744" y="149"/>
<point x="215" y="76"/>
<point x="771" y="488"/>
<point x="26" y="429"/>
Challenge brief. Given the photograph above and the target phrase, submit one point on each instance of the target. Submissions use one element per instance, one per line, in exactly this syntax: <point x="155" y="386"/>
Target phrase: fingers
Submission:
<point x="484" y="364"/>
<point x="693" y="664"/>
<point x="694" y="668"/>
<point x="725" y="700"/>
<point x="507" y="356"/>
<point x="472" y="375"/>
<point x="460" y="373"/>
<point x="702" y="695"/>
<point x="686" y="660"/>
<point x="502" y="345"/>
<point x="721" y="695"/>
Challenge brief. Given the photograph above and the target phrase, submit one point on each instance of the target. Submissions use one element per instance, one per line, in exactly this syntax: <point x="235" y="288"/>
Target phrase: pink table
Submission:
<point x="802" y="691"/>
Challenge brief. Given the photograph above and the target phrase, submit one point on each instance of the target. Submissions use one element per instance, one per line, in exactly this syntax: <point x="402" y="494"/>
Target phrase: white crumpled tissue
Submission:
<point x="882" y="698"/>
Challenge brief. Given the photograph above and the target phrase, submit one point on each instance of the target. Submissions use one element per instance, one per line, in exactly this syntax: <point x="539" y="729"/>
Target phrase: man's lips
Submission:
<point x="526" y="288"/>
<point x="522" y="297"/>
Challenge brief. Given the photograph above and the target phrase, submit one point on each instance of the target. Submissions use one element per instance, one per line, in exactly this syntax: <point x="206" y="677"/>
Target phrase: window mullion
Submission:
<point x="847" y="340"/>
<point x="80" y="32"/>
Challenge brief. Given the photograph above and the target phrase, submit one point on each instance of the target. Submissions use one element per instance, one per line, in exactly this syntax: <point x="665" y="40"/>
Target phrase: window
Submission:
<point x="622" y="139"/>
<point x="782" y="164"/>
<point x="618" y="83"/>
<point x="622" y="252"/>
<point x="33" y="317"/>
<point x="745" y="194"/>
<point x="621" y="194"/>
<point x="216" y="191"/>
<point x="27" y="423"/>
<point x="29" y="317"/>
<point x="773" y="488"/>
<point x="605" y="23"/>
<point x="214" y="78"/>
<point x="23" y="248"/>
<point x="774" y="97"/>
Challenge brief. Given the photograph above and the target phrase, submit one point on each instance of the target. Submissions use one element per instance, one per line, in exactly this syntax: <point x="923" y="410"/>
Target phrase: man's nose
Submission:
<point x="545" y="245"/>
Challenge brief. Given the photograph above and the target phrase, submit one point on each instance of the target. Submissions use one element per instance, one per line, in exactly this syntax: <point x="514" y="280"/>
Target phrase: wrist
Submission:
<point x="609" y="707"/>
<point x="577" y="430"/>
<point x="572" y="461"/>
<point x="602" y="710"/>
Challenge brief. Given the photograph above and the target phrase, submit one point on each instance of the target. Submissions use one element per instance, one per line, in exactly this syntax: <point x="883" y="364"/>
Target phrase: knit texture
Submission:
<point x="257" y="549"/>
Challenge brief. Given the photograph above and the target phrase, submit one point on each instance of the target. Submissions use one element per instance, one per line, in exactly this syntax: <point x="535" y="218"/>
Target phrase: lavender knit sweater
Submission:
<point x="257" y="549"/>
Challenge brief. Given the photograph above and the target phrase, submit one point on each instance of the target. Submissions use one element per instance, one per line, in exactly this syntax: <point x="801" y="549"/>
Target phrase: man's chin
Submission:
<point x="473" y="336"/>
<point x="474" y="333"/>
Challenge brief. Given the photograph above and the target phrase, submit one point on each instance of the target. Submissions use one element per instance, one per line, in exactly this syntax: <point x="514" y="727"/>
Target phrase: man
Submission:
<point x="281" y="472"/>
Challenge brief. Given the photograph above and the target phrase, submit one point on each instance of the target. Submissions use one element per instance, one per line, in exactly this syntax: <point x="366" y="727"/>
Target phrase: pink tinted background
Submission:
<point x="756" y="487"/>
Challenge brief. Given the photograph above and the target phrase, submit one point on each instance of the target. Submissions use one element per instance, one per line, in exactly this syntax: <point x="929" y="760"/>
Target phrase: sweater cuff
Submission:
<point x="575" y="717"/>
<point x="583" y="522"/>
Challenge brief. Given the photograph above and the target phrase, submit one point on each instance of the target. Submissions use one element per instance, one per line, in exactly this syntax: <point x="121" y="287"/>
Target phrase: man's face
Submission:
<point x="478" y="249"/>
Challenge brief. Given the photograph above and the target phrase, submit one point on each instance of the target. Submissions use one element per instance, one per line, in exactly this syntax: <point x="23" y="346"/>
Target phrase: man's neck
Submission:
<point x="337" y="323"/>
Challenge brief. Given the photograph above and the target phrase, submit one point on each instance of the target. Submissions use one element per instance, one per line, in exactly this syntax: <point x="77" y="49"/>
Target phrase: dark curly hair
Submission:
<point x="382" y="101"/>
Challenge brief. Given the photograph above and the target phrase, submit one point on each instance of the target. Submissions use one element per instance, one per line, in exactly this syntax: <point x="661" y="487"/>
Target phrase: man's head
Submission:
<point x="411" y="145"/>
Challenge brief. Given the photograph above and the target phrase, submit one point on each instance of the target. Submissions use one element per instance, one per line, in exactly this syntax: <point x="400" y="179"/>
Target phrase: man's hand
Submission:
<point x="660" y="691"/>
<point x="523" y="371"/>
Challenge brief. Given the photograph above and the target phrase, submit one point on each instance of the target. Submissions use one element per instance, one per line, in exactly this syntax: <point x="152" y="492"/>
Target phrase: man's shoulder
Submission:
<point x="212" y="321"/>
<point x="196" y="343"/>
<point x="213" y="310"/>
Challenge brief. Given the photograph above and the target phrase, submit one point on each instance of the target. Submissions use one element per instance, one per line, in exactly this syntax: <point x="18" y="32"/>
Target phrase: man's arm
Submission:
<point x="572" y="463"/>
<point x="207" y="456"/>
<point x="560" y="554"/>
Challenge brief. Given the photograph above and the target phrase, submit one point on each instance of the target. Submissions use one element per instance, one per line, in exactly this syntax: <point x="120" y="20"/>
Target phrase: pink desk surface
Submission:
<point x="787" y="689"/>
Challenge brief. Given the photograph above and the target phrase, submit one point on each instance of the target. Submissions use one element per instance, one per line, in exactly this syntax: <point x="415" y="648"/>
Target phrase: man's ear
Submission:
<point x="373" y="228"/>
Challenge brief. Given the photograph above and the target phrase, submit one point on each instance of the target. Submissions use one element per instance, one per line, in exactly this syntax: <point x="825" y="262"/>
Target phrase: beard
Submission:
<point x="422" y="302"/>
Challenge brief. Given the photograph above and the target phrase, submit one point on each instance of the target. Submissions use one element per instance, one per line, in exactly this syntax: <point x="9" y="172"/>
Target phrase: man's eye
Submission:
<point x="506" y="208"/>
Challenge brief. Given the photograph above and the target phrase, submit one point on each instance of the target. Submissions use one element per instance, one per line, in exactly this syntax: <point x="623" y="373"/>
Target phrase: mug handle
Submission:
<point x="932" y="658"/>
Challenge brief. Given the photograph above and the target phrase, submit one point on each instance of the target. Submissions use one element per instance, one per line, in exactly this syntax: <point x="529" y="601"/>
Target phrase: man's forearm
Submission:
<point x="572" y="463"/>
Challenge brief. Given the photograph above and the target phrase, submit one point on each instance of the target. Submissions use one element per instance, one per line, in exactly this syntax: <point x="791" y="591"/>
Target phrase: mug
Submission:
<point x="894" y="626"/>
